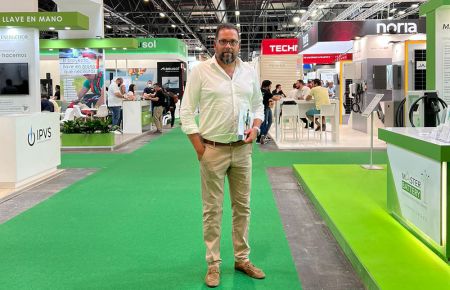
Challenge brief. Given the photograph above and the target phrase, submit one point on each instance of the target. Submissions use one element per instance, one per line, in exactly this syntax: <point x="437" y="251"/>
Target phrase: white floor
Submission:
<point x="349" y="139"/>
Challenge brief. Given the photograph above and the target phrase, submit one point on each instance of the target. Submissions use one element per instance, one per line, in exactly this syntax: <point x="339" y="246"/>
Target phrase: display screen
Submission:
<point x="14" y="79"/>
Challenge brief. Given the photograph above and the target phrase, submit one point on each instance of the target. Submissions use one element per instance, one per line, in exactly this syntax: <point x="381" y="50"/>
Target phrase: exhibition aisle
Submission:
<point x="352" y="201"/>
<point x="137" y="223"/>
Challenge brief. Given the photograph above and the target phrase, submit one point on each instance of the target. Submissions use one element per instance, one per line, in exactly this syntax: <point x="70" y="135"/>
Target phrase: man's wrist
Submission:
<point x="257" y="129"/>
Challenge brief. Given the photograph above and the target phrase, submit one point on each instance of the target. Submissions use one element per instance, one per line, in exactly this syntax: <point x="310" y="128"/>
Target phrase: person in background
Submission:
<point x="218" y="86"/>
<point x="173" y="100"/>
<point x="320" y="96"/>
<point x="292" y="94"/>
<point x="131" y="95"/>
<point x="278" y="91"/>
<point x="57" y="95"/>
<point x="268" y="99"/>
<point x="94" y="84"/>
<point x="331" y="90"/>
<point x="158" y="101"/>
<point x="310" y="84"/>
<point x="46" y="105"/>
<point x="115" y="98"/>
<point x="305" y="91"/>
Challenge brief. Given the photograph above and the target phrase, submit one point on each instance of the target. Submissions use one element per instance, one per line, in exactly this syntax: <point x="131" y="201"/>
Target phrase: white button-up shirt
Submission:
<point x="220" y="100"/>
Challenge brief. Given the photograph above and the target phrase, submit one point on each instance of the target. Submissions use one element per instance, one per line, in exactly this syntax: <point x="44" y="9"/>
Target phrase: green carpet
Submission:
<point x="353" y="203"/>
<point x="137" y="224"/>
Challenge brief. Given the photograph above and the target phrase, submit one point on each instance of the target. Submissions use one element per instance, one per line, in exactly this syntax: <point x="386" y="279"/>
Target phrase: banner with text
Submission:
<point x="279" y="46"/>
<point x="82" y="75"/>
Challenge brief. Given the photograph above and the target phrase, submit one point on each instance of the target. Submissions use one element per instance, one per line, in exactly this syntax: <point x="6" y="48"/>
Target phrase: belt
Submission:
<point x="231" y="144"/>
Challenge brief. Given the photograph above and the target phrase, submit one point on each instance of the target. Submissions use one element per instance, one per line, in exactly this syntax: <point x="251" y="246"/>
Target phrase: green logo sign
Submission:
<point x="412" y="186"/>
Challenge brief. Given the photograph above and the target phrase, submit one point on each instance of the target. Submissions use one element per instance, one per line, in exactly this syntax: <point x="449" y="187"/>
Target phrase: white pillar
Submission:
<point x="92" y="9"/>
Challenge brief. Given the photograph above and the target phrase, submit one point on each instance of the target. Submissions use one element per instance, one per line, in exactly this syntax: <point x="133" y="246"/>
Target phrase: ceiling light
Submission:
<point x="72" y="48"/>
<point x="146" y="0"/>
<point x="182" y="34"/>
<point x="357" y="37"/>
<point x="238" y="25"/>
<point x="51" y="28"/>
<point x="114" y="48"/>
<point x="321" y="6"/>
<point x="401" y="12"/>
<point x="9" y="27"/>
<point x="67" y="28"/>
<point x="237" y="13"/>
<point x="124" y="48"/>
<point x="415" y="5"/>
<point x="173" y="25"/>
<point x="198" y="48"/>
<point x="50" y="49"/>
<point x="162" y="14"/>
<point x="314" y="13"/>
<point x="86" y="48"/>
<point x="296" y="19"/>
<point x="108" y="26"/>
<point x="393" y="10"/>
<point x="302" y="11"/>
<point x="390" y="17"/>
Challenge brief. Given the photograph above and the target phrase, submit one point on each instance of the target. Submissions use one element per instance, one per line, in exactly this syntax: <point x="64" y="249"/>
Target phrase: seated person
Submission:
<point x="320" y="96"/>
<point x="46" y="105"/>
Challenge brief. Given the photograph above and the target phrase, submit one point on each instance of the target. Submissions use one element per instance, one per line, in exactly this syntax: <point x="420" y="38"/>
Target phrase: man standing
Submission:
<point x="115" y="98"/>
<point x="331" y="90"/>
<point x="158" y="101"/>
<point x="226" y="91"/>
<point x="320" y="96"/>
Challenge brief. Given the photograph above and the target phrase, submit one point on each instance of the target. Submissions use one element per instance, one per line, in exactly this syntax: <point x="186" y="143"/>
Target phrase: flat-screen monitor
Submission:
<point x="14" y="79"/>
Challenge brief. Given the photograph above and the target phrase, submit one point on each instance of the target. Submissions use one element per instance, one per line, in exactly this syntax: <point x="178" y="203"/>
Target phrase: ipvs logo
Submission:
<point x="39" y="135"/>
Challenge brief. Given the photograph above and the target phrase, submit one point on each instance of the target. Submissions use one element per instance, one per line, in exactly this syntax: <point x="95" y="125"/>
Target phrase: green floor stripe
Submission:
<point x="137" y="224"/>
<point x="353" y="203"/>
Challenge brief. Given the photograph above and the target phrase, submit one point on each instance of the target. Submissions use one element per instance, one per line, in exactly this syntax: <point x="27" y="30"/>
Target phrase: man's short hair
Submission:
<point x="317" y="82"/>
<point x="119" y="79"/>
<point x="157" y="85"/>
<point x="266" y="83"/>
<point x="294" y="86"/>
<point x="226" y="26"/>
<point x="277" y="86"/>
<point x="301" y="81"/>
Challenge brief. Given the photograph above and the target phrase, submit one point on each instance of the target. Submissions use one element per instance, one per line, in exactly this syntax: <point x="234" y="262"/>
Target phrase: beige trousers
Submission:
<point x="157" y="117"/>
<point x="216" y="163"/>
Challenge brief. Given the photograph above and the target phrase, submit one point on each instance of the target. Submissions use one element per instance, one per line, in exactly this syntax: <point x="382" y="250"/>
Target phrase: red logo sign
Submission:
<point x="329" y="58"/>
<point x="279" y="46"/>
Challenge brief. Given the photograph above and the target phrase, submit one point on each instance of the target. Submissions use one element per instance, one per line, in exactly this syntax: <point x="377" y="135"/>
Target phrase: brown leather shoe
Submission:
<point x="248" y="268"/>
<point x="212" y="278"/>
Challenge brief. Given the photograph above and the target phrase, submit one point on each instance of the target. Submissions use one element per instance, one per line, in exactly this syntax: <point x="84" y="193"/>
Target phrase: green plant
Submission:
<point x="86" y="127"/>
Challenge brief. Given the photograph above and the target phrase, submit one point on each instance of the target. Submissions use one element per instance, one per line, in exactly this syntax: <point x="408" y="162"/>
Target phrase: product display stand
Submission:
<point x="369" y="112"/>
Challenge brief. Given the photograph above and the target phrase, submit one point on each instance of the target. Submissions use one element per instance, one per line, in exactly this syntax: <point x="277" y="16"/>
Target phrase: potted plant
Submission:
<point x="90" y="133"/>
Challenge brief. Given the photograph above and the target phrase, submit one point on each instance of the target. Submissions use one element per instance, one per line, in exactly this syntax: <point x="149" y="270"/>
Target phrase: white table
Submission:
<point x="306" y="105"/>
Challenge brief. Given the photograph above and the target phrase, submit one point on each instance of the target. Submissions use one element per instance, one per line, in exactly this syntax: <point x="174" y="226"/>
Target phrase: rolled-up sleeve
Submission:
<point x="190" y="102"/>
<point x="257" y="104"/>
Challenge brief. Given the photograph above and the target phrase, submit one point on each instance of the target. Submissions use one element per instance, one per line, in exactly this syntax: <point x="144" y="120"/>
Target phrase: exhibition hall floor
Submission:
<point x="352" y="201"/>
<point x="135" y="222"/>
<point x="349" y="140"/>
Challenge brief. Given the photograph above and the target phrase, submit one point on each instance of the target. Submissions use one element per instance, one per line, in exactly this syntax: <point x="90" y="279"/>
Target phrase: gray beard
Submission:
<point x="229" y="59"/>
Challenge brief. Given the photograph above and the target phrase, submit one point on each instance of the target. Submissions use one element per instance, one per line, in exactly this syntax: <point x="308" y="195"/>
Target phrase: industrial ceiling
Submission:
<point x="195" y="21"/>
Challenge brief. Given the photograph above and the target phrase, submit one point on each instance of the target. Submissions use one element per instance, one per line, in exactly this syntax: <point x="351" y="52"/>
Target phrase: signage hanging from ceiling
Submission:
<point x="348" y="30"/>
<point x="328" y="58"/>
<point x="45" y="20"/>
<point x="279" y="46"/>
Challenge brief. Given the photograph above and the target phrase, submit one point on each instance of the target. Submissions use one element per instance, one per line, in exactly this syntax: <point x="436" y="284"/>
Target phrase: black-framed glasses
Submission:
<point x="232" y="43"/>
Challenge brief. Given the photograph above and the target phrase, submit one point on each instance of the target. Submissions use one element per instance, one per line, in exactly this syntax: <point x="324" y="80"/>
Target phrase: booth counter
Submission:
<point x="30" y="148"/>
<point x="136" y="114"/>
<point x="417" y="191"/>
